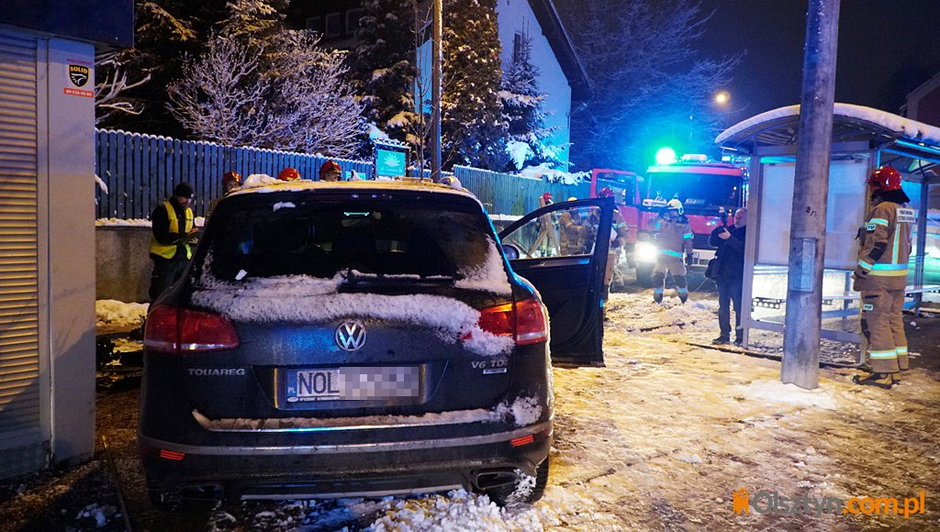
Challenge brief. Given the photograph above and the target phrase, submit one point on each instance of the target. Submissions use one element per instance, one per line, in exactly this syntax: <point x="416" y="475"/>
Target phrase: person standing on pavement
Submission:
<point x="173" y="236"/>
<point x="730" y="275"/>
<point x="881" y="277"/>
<point x="674" y="239"/>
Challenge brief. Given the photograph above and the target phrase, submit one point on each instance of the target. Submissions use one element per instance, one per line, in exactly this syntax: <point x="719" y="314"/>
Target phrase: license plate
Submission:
<point x="352" y="384"/>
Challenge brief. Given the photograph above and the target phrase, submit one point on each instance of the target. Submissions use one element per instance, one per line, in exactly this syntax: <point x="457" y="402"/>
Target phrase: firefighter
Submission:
<point x="674" y="238"/>
<point x="231" y="181"/>
<point x="330" y="171"/>
<point x="618" y="238"/>
<point x="172" y="239"/>
<point x="881" y="276"/>
<point x="288" y="174"/>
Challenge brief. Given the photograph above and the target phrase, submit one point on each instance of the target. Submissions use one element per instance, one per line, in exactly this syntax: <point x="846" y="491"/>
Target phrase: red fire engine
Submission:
<point x="706" y="189"/>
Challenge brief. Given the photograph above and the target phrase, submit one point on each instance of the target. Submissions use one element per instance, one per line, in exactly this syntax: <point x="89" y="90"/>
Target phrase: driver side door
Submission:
<point x="562" y="249"/>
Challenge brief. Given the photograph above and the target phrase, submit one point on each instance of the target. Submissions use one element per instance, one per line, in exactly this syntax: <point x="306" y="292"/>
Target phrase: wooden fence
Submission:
<point x="140" y="170"/>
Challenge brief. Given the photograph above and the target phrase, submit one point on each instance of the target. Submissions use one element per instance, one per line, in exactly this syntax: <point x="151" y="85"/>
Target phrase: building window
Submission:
<point x="352" y="20"/>
<point x="334" y="26"/>
<point x="314" y="24"/>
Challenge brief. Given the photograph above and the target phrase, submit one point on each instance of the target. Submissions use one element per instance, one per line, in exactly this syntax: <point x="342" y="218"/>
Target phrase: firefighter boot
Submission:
<point x="658" y="295"/>
<point x="881" y="380"/>
<point x="683" y="295"/>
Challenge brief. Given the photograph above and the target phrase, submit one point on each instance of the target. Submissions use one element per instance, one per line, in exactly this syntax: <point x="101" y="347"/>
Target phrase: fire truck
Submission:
<point x="709" y="190"/>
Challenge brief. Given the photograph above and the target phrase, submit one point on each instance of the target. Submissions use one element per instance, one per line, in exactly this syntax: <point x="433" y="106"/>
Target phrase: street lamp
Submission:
<point x="722" y="98"/>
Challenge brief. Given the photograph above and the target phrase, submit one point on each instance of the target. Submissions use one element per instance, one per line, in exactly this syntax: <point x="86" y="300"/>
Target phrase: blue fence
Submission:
<point x="140" y="170"/>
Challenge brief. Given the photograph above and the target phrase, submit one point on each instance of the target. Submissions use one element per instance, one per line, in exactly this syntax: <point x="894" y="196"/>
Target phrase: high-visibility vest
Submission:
<point x="167" y="251"/>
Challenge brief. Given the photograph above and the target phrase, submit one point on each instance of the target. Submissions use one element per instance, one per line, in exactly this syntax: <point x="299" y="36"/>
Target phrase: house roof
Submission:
<point x="561" y="44"/>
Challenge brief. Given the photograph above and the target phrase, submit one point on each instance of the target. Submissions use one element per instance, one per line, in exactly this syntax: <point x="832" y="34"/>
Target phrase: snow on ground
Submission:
<point x="117" y="315"/>
<point x="664" y="435"/>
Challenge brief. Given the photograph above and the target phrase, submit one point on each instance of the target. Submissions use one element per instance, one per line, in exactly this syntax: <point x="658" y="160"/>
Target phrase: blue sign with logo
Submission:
<point x="389" y="163"/>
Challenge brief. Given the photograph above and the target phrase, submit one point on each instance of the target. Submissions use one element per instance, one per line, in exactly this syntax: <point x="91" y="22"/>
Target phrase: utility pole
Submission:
<point x="436" y="91"/>
<point x="810" y="191"/>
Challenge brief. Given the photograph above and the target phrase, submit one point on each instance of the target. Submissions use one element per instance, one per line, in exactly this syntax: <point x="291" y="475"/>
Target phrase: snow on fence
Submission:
<point x="139" y="170"/>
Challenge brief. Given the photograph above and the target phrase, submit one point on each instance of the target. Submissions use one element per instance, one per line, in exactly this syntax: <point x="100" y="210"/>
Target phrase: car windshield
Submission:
<point x="697" y="191"/>
<point x="361" y="239"/>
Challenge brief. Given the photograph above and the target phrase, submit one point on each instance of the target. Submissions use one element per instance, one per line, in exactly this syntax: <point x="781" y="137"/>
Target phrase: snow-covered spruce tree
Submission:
<point x="383" y="65"/>
<point x="473" y="129"/>
<point x="529" y="140"/>
<point x="288" y="93"/>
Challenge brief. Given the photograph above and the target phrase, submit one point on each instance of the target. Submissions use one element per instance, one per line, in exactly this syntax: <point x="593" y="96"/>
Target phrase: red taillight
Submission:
<point x="497" y="320"/>
<point x="523" y="321"/>
<point x="530" y="322"/>
<point x="174" y="330"/>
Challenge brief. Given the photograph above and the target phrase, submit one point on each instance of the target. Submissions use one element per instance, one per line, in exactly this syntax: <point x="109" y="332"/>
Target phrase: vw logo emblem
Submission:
<point x="350" y="335"/>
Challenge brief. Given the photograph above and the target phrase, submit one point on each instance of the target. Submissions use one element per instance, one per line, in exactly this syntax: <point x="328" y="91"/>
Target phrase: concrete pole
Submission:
<point x="436" y="91"/>
<point x="811" y="188"/>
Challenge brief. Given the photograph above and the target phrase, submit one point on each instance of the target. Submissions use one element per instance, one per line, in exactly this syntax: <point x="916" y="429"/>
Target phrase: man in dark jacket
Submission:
<point x="172" y="240"/>
<point x="730" y="255"/>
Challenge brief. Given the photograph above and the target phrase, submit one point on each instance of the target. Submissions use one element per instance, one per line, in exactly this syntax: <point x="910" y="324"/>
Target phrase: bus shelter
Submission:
<point x="862" y="140"/>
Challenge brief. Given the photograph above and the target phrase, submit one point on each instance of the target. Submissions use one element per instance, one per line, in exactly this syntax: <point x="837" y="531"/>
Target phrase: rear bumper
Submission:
<point x="357" y="469"/>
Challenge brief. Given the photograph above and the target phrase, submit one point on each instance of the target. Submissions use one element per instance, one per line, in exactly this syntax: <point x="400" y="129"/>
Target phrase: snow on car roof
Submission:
<point x="262" y="183"/>
<point x="897" y="125"/>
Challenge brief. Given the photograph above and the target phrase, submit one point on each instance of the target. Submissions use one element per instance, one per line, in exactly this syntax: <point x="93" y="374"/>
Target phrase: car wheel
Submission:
<point x="525" y="490"/>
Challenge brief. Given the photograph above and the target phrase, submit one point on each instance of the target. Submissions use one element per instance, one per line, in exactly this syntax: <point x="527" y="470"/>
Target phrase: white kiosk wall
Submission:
<point x="845" y="212"/>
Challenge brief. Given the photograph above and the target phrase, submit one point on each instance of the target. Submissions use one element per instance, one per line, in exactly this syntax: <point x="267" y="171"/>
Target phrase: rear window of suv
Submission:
<point x="284" y="235"/>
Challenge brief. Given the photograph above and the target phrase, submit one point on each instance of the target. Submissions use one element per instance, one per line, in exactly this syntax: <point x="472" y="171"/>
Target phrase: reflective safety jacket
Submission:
<point x="168" y="251"/>
<point x="674" y="237"/>
<point x="885" y="247"/>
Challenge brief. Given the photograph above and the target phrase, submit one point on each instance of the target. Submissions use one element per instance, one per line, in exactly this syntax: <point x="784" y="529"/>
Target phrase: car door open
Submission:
<point x="562" y="249"/>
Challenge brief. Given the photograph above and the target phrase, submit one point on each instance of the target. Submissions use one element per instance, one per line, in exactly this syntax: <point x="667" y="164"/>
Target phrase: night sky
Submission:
<point x="887" y="48"/>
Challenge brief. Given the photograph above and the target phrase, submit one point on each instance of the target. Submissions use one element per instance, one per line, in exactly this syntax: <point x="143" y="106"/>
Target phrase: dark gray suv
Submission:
<point x="347" y="339"/>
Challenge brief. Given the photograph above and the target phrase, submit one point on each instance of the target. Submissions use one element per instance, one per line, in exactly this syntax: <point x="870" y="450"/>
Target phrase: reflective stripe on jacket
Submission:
<point x="168" y="251"/>
<point x="886" y="246"/>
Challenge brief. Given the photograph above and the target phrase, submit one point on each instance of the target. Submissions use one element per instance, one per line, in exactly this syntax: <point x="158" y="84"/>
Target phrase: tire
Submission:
<point x="171" y="501"/>
<point x="644" y="274"/>
<point x="525" y="490"/>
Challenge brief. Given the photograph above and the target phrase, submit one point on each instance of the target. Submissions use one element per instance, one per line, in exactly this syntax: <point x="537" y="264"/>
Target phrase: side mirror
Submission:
<point x="511" y="251"/>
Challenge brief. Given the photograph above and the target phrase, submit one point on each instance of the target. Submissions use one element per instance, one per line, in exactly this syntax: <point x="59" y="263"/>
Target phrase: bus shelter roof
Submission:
<point x="904" y="143"/>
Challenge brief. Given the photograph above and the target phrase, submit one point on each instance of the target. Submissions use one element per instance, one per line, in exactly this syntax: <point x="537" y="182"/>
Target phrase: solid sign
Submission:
<point x="389" y="163"/>
<point x="78" y="74"/>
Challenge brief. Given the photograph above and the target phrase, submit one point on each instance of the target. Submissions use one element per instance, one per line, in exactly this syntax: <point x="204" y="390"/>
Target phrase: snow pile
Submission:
<point x="554" y="176"/>
<point x="259" y="180"/>
<point x="524" y="410"/>
<point x="638" y="313"/>
<point x="775" y="391"/>
<point x="117" y="314"/>
<point x="198" y="221"/>
<point x="459" y="510"/>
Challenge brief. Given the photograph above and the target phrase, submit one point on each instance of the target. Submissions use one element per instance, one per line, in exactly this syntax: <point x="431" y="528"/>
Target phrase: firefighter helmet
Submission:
<point x="572" y="198"/>
<point x="289" y="174"/>
<point x="884" y="179"/>
<point x="330" y="171"/>
<point x="675" y="205"/>
<point x="605" y="192"/>
<point x="231" y="178"/>
<point x="547" y="198"/>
